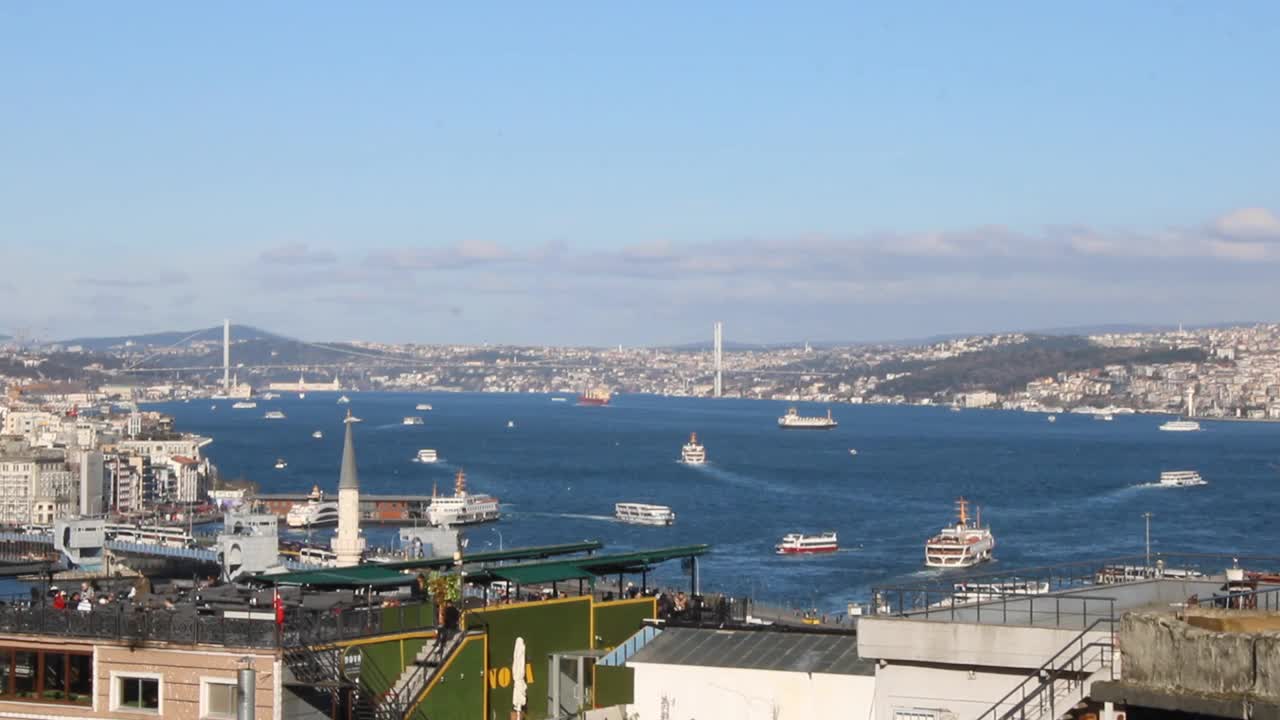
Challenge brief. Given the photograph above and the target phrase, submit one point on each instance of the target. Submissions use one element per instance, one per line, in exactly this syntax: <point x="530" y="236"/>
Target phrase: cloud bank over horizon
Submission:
<point x="859" y="286"/>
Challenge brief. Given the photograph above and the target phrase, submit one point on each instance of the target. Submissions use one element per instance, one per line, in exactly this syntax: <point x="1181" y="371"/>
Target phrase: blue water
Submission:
<point x="1051" y="492"/>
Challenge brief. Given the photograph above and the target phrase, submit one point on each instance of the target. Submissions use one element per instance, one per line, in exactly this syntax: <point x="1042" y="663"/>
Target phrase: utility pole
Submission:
<point x="1147" y="516"/>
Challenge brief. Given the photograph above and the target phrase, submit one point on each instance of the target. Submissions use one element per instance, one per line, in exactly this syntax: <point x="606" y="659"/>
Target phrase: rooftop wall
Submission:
<point x="1163" y="651"/>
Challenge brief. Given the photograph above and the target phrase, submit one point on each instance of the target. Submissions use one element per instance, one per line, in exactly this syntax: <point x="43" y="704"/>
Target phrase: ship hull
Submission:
<point x="592" y="402"/>
<point x="807" y="551"/>
<point x="807" y="427"/>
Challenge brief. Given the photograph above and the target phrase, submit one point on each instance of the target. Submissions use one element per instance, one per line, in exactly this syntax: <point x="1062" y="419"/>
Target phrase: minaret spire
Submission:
<point x="347" y="544"/>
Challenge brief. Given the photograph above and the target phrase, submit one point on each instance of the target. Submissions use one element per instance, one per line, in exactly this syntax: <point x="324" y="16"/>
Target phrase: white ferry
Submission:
<point x="965" y="593"/>
<point x="961" y="545"/>
<point x="411" y="420"/>
<point x="244" y="405"/>
<point x="793" y="420"/>
<point x="317" y="434"/>
<point x="801" y="544"/>
<point x="643" y="514"/>
<point x="426" y="455"/>
<point x="692" y="453"/>
<point x="1107" y="417"/>
<point x="281" y="464"/>
<point x="422" y="406"/>
<point x="462" y="508"/>
<point x="344" y="400"/>
<point x="313" y="513"/>
<point x="274" y="415"/>
<point x="1183" y="424"/>
<point x="1181" y="478"/>
<point x="559" y="399"/>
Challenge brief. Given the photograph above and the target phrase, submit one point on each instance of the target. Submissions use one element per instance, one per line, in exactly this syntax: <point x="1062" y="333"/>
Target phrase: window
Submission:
<point x="218" y="699"/>
<point x="135" y="693"/>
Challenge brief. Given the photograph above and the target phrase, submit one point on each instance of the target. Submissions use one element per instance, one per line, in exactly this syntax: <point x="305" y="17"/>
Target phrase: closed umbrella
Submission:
<point x="519" y="688"/>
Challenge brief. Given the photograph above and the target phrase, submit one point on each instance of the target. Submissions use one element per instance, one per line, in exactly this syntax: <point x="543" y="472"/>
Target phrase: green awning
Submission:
<point x="546" y="573"/>
<point x="349" y="577"/>
<point x="492" y="556"/>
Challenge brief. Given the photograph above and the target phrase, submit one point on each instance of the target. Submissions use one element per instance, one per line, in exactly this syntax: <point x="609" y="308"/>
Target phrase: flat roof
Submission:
<point x="444" y="562"/>
<point x="544" y="573"/>
<point x="596" y="565"/>
<point x="349" y="577"/>
<point x="792" y="651"/>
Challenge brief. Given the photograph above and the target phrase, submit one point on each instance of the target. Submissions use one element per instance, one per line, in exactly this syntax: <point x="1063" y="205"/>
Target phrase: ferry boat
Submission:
<point x="412" y="420"/>
<point x="244" y="405"/>
<point x="422" y="406"/>
<point x="692" y="453"/>
<point x="313" y="513"/>
<point x="965" y="592"/>
<point x="1181" y="478"/>
<point x="801" y="544"/>
<point x="644" y="514"/>
<point x="462" y="508"/>
<point x="793" y="420"/>
<point x="1107" y="417"/>
<point x="274" y="415"/>
<point x="344" y="400"/>
<point x="595" y="396"/>
<point x="426" y="455"/>
<point x="961" y="545"/>
<point x="317" y="434"/>
<point x="559" y="399"/>
<point x="281" y="464"/>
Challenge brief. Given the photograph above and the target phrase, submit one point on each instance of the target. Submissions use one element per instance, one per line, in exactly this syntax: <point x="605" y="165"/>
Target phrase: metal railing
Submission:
<point x="1071" y="666"/>
<point x="1267" y="599"/>
<point x="994" y="608"/>
<point x="250" y="627"/>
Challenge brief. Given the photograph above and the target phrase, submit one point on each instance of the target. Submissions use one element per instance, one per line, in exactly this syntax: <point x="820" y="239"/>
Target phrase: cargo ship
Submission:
<point x="594" y="396"/>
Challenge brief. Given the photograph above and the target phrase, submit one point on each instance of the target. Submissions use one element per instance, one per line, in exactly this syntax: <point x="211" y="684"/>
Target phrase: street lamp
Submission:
<point x="499" y="538"/>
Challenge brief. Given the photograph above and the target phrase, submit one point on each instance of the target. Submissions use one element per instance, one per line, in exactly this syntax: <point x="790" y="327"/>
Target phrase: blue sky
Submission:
<point x="595" y="173"/>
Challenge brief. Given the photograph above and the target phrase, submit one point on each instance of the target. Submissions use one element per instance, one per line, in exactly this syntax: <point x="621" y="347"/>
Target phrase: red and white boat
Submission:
<point x="801" y="544"/>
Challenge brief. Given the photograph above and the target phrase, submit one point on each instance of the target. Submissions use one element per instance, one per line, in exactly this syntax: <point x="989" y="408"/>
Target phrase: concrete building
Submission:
<point x="753" y="674"/>
<point x="36" y="484"/>
<point x="348" y="545"/>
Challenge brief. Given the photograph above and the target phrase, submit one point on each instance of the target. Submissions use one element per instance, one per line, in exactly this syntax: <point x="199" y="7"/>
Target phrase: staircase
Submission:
<point x="1064" y="679"/>
<point x="426" y="665"/>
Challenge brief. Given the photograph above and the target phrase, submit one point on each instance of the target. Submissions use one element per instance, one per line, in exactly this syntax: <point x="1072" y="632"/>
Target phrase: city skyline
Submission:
<point x="591" y="176"/>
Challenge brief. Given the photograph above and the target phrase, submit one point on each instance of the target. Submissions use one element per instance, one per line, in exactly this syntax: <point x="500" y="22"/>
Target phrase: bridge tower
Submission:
<point x="718" y="337"/>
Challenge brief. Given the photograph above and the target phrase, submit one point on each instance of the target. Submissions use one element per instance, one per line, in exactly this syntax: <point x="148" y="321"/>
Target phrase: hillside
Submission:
<point x="170" y="338"/>
<point x="1008" y="368"/>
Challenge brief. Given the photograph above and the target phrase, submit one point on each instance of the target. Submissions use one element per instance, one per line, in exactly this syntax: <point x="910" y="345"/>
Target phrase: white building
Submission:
<point x="750" y="674"/>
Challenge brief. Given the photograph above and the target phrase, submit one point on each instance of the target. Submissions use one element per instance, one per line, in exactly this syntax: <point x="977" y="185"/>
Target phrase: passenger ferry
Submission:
<point x="1181" y="478"/>
<point x="411" y="420"/>
<point x="1183" y="424"/>
<point x="801" y="544"/>
<point x="149" y="535"/>
<point x="274" y="415"/>
<point x="692" y="453"/>
<point x="961" y="545"/>
<point x="643" y="514"/>
<point x="462" y="508"/>
<point x="793" y="420"/>
<point x="313" y="513"/>
<point x="281" y="464"/>
<point x="426" y="455"/>
<point x="244" y="405"/>
<point x="318" y="434"/>
<point x="964" y="593"/>
<point x="422" y="406"/>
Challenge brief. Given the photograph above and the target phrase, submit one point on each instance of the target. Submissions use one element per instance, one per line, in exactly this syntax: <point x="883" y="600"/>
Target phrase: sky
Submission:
<point x="602" y="173"/>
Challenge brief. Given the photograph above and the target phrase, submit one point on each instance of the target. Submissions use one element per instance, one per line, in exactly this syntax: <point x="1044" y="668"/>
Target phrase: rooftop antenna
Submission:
<point x="1147" y="516"/>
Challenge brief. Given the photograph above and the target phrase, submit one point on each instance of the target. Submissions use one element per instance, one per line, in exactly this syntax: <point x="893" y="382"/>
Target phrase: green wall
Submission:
<point x="618" y="621"/>
<point x="383" y="662"/>
<point x="547" y="627"/>
<point x="614" y="686"/>
<point x="459" y="693"/>
<point x="408" y="617"/>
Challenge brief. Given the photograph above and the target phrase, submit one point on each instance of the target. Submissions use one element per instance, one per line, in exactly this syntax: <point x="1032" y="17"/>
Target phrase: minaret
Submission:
<point x="348" y="545"/>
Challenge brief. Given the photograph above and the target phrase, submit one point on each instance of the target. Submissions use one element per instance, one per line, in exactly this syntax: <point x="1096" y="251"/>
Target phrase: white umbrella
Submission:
<point x="519" y="688"/>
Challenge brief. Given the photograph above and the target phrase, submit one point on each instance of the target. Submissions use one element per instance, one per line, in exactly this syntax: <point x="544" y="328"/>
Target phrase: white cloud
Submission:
<point x="1253" y="223"/>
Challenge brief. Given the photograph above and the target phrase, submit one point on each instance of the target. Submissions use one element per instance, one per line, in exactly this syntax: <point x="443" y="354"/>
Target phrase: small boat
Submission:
<point x="422" y="406"/>
<point x="302" y="396"/>
<point x="411" y="420"/>
<point x="244" y="405"/>
<point x="317" y="434"/>
<point x="853" y="451"/>
<point x="1181" y="478"/>
<point x="213" y="407"/>
<point x="1052" y="418"/>
<point x="511" y="423"/>
<point x="281" y="464"/>
<point x="955" y="408"/>
<point x="344" y="400"/>
<point x="559" y="399"/>
<point x="801" y="544"/>
<point x="1108" y="417"/>
<point x="692" y="453"/>
<point x="270" y="396"/>
<point x="644" y="514"/>
<point x="426" y="455"/>
<point x="274" y="415"/>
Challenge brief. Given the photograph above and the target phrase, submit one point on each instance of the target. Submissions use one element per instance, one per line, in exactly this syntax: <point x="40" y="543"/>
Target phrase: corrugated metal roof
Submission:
<point x="527" y="574"/>
<point x="756" y="649"/>
<point x="349" y="577"/>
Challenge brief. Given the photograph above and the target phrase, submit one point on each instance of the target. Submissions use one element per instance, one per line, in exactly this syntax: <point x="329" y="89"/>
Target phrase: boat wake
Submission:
<point x="572" y="516"/>
<point x="743" y="480"/>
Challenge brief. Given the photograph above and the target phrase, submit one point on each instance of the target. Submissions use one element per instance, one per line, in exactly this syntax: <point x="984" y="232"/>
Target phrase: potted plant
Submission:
<point x="443" y="589"/>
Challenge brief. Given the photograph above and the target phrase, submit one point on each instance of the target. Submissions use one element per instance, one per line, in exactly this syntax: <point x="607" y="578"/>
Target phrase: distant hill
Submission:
<point x="170" y="338"/>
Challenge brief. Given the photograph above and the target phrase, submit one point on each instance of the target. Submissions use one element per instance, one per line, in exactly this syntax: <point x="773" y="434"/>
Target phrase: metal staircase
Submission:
<point x="1064" y="679"/>
<point x="415" y="679"/>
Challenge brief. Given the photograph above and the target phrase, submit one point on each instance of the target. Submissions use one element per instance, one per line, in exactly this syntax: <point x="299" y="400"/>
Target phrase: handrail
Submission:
<point x="1047" y="673"/>
<point x="1240" y="599"/>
